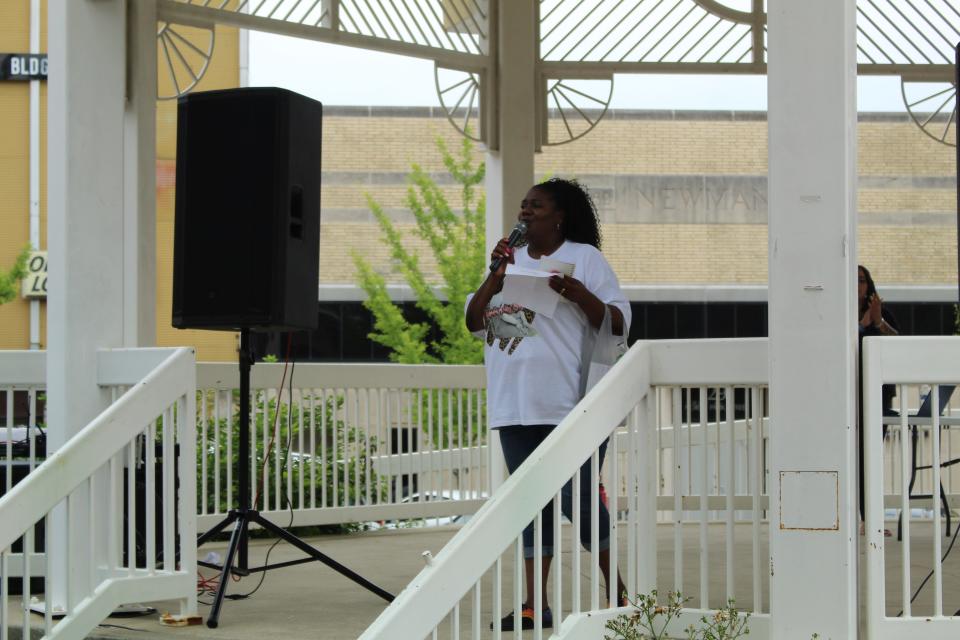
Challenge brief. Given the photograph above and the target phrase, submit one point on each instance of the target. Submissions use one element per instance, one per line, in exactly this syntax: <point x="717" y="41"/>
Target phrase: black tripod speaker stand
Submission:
<point x="245" y="514"/>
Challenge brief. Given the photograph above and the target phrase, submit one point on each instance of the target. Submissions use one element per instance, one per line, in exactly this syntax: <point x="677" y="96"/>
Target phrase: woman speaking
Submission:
<point x="536" y="367"/>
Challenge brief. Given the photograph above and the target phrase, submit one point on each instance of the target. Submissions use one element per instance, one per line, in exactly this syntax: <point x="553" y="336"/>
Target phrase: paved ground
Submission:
<point x="312" y="601"/>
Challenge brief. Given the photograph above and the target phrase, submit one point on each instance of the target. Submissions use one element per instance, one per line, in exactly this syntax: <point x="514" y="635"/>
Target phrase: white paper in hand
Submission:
<point x="530" y="288"/>
<point x="557" y="266"/>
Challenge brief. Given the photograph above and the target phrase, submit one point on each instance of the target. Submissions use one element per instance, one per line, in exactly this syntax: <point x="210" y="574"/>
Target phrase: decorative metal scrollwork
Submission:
<point x="183" y="57"/>
<point x="933" y="108"/>
<point x="572" y="108"/>
<point x="461" y="95"/>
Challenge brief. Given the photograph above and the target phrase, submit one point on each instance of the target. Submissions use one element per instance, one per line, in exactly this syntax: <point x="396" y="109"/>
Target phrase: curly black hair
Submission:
<point x="580" y="220"/>
<point x="871" y="289"/>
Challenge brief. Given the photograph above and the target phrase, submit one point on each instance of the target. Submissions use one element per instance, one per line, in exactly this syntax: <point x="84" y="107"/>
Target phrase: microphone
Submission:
<point x="516" y="236"/>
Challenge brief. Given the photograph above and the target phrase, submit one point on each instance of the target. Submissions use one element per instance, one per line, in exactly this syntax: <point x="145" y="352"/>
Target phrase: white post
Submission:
<point x="87" y="51"/>
<point x="140" y="180"/>
<point x="35" y="20"/>
<point x="812" y="248"/>
<point x="510" y="166"/>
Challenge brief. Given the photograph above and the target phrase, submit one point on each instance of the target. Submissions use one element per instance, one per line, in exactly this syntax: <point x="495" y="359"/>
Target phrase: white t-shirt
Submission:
<point x="532" y="361"/>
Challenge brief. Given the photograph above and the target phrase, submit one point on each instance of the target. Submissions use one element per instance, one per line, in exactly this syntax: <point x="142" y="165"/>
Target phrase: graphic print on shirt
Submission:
<point x="508" y="323"/>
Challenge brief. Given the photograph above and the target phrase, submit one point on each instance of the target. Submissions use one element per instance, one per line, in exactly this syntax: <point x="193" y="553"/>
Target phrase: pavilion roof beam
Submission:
<point x="403" y="22"/>
<point x="909" y="38"/>
<point x="675" y="44"/>
<point x="447" y="16"/>
<point x="896" y="28"/>
<point x="206" y="16"/>
<point x="926" y="19"/>
<point x="419" y="27"/>
<point x="462" y="20"/>
<point x="726" y="12"/>
<point x="923" y="35"/>
<point x="631" y="30"/>
<point x="567" y="69"/>
<point x="585" y="35"/>
<point x="669" y="33"/>
<point x="713" y="46"/>
<point x="650" y="32"/>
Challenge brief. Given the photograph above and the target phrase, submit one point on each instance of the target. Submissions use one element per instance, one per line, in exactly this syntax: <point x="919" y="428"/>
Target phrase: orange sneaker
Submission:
<point x="508" y="623"/>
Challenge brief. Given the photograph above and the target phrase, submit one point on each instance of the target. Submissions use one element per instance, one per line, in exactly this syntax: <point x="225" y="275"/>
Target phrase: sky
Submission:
<point x="337" y="75"/>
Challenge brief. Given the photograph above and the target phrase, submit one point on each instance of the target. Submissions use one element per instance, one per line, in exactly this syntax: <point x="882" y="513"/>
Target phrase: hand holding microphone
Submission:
<point x="500" y="252"/>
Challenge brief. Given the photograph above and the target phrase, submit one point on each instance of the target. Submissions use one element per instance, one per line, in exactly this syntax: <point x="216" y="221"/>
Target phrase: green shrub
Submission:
<point x="347" y="451"/>
<point x="650" y="619"/>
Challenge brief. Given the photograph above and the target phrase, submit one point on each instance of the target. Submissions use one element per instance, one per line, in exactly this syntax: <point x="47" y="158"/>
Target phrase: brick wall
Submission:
<point x="643" y="167"/>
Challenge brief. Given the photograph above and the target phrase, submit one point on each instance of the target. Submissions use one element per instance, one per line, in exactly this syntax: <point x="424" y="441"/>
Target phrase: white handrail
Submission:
<point x="904" y="361"/>
<point x="627" y="390"/>
<point x="94" y="445"/>
<point x="476" y="547"/>
<point x="263" y="375"/>
<point x="21" y="369"/>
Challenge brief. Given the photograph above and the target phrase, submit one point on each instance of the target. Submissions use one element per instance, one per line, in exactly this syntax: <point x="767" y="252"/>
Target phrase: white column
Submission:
<point x="87" y="49"/>
<point x="140" y="181"/>
<point x="812" y="245"/>
<point x="35" y="19"/>
<point x="509" y="167"/>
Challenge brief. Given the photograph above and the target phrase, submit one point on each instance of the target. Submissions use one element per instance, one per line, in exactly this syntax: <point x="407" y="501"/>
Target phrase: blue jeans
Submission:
<point x="518" y="442"/>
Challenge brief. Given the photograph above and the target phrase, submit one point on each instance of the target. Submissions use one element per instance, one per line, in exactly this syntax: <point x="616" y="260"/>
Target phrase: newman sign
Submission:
<point x="23" y="66"/>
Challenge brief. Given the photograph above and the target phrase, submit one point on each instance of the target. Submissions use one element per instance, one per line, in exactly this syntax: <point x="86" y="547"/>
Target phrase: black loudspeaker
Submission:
<point x="246" y="248"/>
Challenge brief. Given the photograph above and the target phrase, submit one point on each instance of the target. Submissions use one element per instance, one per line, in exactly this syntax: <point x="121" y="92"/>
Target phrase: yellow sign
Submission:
<point x="35" y="282"/>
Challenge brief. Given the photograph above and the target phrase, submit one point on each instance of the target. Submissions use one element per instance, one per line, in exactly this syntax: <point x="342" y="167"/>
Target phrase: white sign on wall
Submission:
<point x="35" y="282"/>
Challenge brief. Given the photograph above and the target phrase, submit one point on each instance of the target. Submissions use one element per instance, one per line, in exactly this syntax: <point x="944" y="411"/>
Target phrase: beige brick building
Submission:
<point x="682" y="194"/>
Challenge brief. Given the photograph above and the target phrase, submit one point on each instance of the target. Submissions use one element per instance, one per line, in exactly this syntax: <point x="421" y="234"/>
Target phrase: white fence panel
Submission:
<point x="90" y="485"/>
<point x="480" y="575"/>
<point x="905" y="577"/>
<point x="337" y="443"/>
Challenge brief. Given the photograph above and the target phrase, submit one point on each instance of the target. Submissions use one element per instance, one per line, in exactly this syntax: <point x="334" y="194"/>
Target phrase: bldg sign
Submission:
<point x="23" y="66"/>
<point x="35" y="282"/>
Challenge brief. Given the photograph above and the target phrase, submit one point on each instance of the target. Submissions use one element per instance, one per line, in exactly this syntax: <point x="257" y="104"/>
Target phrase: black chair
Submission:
<point x="926" y="411"/>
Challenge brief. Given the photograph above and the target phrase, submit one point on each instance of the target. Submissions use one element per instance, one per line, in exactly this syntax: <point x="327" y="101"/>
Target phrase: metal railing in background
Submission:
<point x="132" y="463"/>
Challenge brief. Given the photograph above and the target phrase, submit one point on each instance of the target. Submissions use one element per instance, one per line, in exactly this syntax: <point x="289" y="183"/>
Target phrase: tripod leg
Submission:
<point x="239" y="533"/>
<point x="220" y="526"/>
<point x="946" y="507"/>
<point x="320" y="557"/>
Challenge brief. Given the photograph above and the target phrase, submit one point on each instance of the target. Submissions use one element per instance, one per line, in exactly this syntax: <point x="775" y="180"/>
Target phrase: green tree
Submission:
<point x="456" y="240"/>
<point x="10" y="280"/>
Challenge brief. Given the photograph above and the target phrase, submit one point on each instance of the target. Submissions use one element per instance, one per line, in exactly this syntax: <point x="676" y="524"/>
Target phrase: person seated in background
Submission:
<point x="875" y="320"/>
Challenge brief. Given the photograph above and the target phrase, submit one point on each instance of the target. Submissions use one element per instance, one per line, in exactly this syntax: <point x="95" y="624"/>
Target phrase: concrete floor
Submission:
<point x="313" y="601"/>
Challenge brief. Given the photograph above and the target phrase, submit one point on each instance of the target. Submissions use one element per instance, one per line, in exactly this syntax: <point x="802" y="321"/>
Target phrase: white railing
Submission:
<point x="712" y="478"/>
<point x="479" y="575"/>
<point x="912" y="567"/>
<point x="350" y="443"/>
<point x="396" y="452"/>
<point x="134" y="462"/>
<point x="346" y="453"/>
